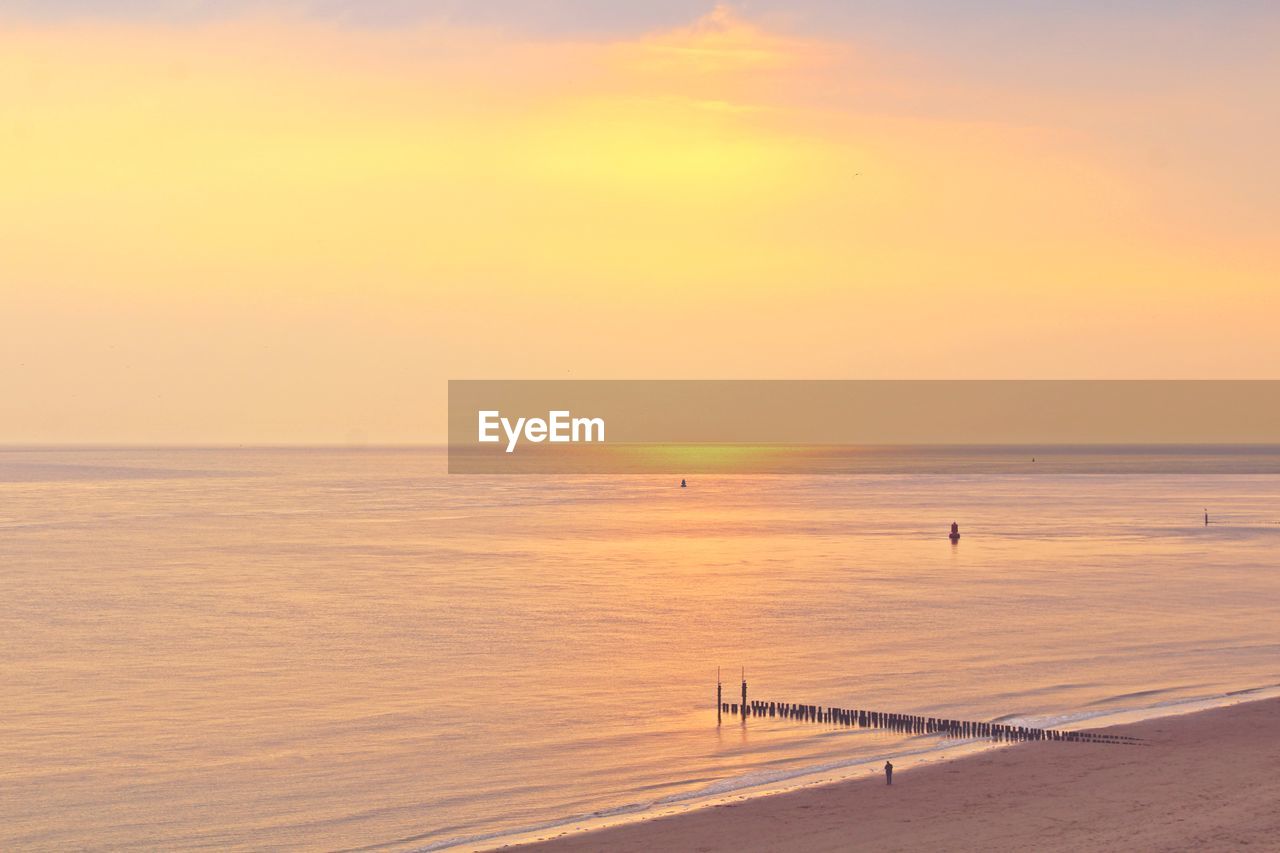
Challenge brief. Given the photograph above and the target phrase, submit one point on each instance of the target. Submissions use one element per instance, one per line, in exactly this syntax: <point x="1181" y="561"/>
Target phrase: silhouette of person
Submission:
<point x="684" y="484"/>
<point x="888" y="773"/>
<point x="955" y="528"/>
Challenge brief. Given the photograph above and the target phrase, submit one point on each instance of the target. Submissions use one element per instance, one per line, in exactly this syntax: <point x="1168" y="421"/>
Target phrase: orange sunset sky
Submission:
<point x="285" y="223"/>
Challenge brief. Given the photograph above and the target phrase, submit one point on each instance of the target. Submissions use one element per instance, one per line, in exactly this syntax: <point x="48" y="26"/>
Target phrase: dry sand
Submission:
<point x="1204" y="781"/>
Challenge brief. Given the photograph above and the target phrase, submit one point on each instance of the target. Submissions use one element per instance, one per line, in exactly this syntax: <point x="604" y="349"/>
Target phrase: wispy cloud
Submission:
<point x="441" y="196"/>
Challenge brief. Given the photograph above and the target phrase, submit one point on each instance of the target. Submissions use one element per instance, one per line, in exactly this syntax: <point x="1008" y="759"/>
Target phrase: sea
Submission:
<point x="351" y="649"/>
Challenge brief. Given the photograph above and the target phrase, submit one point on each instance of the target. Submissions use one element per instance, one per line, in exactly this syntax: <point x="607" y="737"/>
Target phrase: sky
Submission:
<point x="268" y="223"/>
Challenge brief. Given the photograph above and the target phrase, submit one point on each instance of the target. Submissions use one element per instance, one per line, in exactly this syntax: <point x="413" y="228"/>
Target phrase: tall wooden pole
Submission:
<point x="719" y="698"/>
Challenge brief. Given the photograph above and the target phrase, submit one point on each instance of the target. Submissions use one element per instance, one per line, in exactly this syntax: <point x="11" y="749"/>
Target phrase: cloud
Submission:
<point x="356" y="209"/>
<point x="713" y="157"/>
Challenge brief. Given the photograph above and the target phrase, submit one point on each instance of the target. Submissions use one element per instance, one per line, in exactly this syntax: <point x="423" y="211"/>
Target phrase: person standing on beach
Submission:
<point x="888" y="773"/>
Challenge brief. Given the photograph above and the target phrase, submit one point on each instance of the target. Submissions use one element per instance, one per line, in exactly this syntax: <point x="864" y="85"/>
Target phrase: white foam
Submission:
<point x="762" y="783"/>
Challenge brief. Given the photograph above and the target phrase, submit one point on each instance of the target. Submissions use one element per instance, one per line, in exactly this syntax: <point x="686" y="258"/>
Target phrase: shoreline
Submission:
<point x="1202" y="779"/>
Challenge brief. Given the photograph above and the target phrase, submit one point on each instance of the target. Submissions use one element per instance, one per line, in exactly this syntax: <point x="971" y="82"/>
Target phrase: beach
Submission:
<point x="1202" y="781"/>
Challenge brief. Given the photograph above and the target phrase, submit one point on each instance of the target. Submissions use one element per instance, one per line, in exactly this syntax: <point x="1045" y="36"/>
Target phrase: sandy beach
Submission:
<point x="1203" y="781"/>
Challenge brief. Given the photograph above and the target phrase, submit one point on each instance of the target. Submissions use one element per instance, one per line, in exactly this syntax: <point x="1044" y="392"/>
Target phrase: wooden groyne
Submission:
<point x="907" y="724"/>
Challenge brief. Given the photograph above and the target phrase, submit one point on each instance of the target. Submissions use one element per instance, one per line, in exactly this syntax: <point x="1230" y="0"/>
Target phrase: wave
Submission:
<point x="762" y="783"/>
<point x="1143" y="694"/>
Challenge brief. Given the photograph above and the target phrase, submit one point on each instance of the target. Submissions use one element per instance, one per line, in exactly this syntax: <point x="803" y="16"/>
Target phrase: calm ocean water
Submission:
<point x="322" y="649"/>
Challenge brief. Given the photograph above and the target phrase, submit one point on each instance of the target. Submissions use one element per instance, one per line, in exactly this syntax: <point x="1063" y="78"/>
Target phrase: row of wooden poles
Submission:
<point x="903" y="723"/>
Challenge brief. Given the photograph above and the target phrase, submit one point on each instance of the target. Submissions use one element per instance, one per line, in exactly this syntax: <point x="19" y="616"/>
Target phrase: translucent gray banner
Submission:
<point x="862" y="426"/>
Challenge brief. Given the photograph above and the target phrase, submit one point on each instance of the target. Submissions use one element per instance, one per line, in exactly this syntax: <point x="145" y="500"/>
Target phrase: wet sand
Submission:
<point x="1203" y="781"/>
